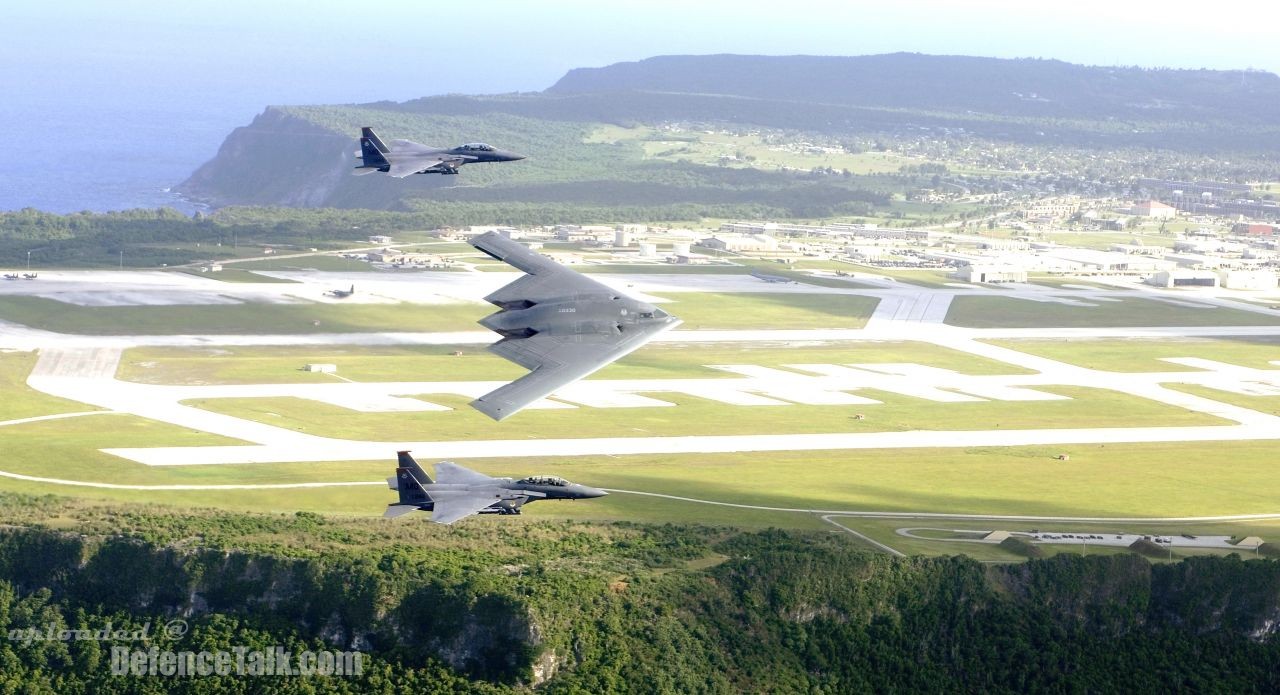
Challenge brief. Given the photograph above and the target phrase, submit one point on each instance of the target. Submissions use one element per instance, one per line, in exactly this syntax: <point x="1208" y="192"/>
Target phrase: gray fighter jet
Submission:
<point x="459" y="492"/>
<point x="405" y="158"/>
<point x="558" y="323"/>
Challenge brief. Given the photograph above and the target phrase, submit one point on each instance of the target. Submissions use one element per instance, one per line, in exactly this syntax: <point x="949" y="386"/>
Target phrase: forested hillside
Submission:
<point x="956" y="84"/>
<point x="489" y="606"/>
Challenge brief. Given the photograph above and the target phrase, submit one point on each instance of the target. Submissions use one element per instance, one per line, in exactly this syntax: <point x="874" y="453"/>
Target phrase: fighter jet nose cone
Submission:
<point x="593" y="492"/>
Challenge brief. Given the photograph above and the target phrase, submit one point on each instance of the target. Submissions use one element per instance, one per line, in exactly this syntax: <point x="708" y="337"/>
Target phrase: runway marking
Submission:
<point x="60" y="416"/>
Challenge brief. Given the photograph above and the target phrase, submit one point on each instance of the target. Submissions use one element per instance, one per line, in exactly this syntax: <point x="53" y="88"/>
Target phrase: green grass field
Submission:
<point x="769" y="310"/>
<point x="1144" y="354"/>
<point x="301" y="318"/>
<point x="240" y="276"/>
<point x="928" y="277"/>
<point x="326" y="262"/>
<point x="1157" y="480"/>
<point x="277" y="365"/>
<point x="1174" y="479"/>
<point x="752" y="151"/>
<point x="1263" y="404"/>
<point x="1102" y="241"/>
<point x="1007" y="312"/>
<point x="1087" y="408"/>
<point x="699" y="310"/>
<point x="21" y="401"/>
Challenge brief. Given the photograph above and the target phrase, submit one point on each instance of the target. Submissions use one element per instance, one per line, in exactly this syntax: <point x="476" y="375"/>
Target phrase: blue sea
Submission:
<point x="77" y="155"/>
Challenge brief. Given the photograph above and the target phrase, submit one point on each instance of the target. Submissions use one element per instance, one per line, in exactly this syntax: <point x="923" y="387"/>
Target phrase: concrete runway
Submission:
<point x="82" y="368"/>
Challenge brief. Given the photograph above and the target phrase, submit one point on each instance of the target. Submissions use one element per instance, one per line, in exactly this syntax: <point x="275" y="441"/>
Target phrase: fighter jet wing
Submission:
<point x="557" y="361"/>
<point x="450" y="473"/>
<point x="451" y="507"/>
<point x="401" y="168"/>
<point x="408" y="146"/>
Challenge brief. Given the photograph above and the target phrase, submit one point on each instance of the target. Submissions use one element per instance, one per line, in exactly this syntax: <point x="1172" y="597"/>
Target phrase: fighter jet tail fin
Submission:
<point x="367" y="132"/>
<point x="372" y="156"/>
<point x="409" y="481"/>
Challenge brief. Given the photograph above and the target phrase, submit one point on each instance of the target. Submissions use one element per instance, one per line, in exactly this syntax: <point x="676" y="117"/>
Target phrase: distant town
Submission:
<point x="1187" y="234"/>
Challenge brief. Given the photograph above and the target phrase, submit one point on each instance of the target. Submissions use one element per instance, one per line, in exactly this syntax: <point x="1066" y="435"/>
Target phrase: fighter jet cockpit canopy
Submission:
<point x="477" y="147"/>
<point x="545" y="480"/>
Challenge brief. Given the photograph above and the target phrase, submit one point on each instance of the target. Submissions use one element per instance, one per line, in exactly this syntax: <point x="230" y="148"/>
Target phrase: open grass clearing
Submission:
<point x="691" y="415"/>
<point x="779" y="310"/>
<point x="1144" y="354"/>
<point x="747" y="151"/>
<point x="1009" y="312"/>
<point x="320" y="261"/>
<point x="21" y="401"/>
<point x="1112" y="480"/>
<point x="937" y="278"/>
<point x="1116" y="480"/>
<point x="1103" y="240"/>
<point x="275" y="365"/>
<point x="250" y="319"/>
<point x="68" y="448"/>
<point x="698" y="309"/>
<point x="239" y="275"/>
<point x="1263" y="404"/>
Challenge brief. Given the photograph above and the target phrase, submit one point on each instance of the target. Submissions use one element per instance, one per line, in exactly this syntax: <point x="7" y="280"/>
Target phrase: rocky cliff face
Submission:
<point x="278" y="159"/>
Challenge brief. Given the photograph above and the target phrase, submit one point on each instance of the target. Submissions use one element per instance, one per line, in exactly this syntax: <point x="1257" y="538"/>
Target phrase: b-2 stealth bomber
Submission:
<point x="558" y="323"/>
<point x="459" y="492"/>
<point x="405" y="157"/>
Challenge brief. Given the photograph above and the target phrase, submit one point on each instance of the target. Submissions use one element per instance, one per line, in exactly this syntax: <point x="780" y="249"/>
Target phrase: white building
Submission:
<point x="1248" y="279"/>
<point x="1154" y="208"/>
<point x="1108" y="262"/>
<point x="991" y="273"/>
<point x="755" y="242"/>
<point x="1052" y="209"/>
<point x="1195" y="260"/>
<point x="1184" y="278"/>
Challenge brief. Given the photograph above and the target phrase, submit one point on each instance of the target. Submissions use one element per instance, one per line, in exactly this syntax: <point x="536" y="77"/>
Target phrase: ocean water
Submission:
<point x="72" y="152"/>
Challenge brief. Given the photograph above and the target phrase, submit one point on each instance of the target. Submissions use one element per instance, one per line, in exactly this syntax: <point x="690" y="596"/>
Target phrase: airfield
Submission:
<point x="1093" y="405"/>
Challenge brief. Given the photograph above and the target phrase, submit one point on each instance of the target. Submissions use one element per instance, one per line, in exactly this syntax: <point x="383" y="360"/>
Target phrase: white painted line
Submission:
<point x="61" y="416"/>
